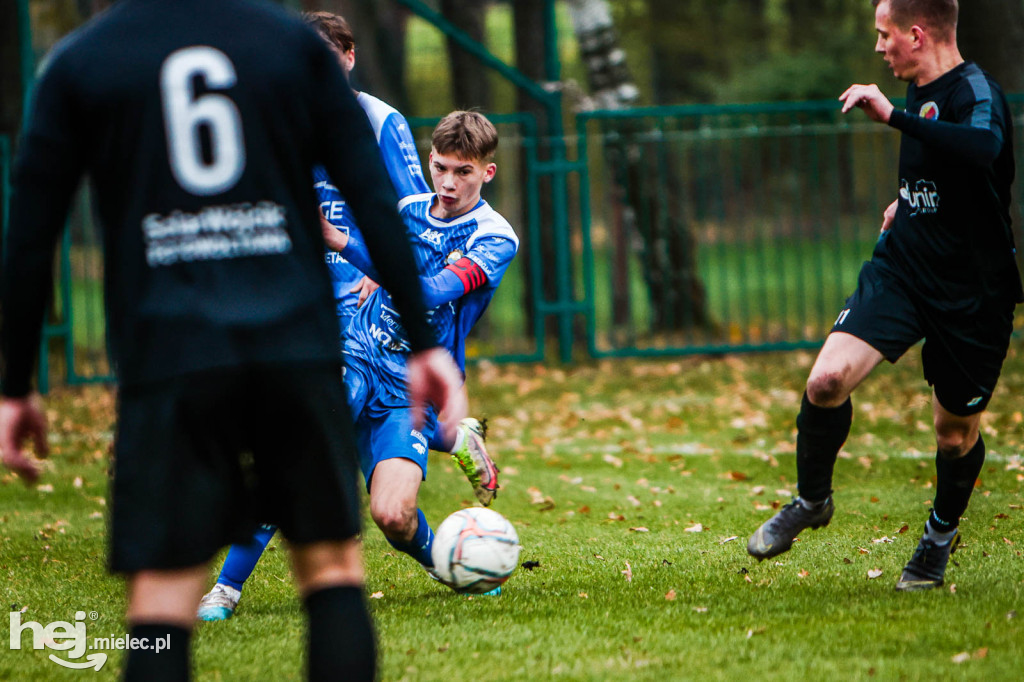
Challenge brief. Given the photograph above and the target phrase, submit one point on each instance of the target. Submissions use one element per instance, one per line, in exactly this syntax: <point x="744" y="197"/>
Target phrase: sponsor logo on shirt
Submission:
<point x="432" y="236"/>
<point x="922" y="198"/>
<point x="929" y="111"/>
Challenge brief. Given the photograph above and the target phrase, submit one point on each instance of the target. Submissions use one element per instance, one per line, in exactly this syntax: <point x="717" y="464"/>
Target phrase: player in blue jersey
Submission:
<point x="351" y="288"/>
<point x="463" y="248"/>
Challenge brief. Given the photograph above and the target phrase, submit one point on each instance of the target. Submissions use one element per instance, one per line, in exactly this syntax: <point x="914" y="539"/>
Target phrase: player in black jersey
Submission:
<point x="943" y="270"/>
<point x="200" y="144"/>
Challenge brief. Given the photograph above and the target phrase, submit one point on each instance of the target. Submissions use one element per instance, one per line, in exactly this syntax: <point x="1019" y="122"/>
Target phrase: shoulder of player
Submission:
<point x="412" y="199"/>
<point x="382" y="115"/>
<point x="490" y="223"/>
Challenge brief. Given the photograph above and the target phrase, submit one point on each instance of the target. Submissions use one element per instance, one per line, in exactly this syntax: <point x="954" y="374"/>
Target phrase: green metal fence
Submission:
<point x="714" y="229"/>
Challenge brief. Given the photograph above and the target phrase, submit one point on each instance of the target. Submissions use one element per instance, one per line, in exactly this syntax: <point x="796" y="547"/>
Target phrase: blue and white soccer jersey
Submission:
<point x="479" y="247"/>
<point x="403" y="164"/>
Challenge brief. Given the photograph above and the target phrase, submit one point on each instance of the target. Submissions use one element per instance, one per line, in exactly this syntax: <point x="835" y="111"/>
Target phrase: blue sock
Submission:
<point x="242" y="559"/>
<point x="419" y="547"/>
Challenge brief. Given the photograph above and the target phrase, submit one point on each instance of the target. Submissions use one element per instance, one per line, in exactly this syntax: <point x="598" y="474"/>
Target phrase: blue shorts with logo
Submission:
<point x="384" y="420"/>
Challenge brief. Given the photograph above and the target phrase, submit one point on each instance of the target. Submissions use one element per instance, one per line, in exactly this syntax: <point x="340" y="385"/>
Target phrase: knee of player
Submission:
<point x="827" y="389"/>
<point x="952" y="443"/>
<point x="396" y="522"/>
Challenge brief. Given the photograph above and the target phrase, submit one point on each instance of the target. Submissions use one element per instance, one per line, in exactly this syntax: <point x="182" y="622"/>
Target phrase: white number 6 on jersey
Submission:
<point x="185" y="115"/>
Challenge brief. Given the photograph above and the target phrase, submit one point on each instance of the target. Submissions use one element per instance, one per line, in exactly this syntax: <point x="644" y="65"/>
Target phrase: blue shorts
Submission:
<point x="384" y="420"/>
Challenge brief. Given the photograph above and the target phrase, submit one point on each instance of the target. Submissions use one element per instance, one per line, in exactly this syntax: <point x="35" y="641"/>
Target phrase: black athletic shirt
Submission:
<point x="199" y="123"/>
<point x="951" y="240"/>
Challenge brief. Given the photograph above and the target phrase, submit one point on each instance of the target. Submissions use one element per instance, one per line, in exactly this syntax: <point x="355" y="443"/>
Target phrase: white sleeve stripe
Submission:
<point x="503" y="231"/>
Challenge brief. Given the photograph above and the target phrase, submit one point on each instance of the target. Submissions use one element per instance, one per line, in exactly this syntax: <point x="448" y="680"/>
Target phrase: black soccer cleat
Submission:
<point x="776" y="535"/>
<point x="926" y="570"/>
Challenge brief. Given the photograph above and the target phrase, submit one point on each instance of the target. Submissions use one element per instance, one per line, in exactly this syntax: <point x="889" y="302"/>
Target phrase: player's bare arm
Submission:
<point x="888" y="215"/>
<point x="869" y="98"/>
<point x="22" y="419"/>
<point x="335" y="239"/>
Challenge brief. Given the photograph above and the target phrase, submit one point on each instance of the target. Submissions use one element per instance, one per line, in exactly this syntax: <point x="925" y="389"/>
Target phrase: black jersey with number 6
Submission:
<point x="951" y="240"/>
<point x="199" y="123"/>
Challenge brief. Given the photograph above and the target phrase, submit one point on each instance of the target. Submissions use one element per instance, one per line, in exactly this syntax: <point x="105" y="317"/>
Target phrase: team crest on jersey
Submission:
<point x="453" y="257"/>
<point x="929" y="111"/>
<point x="922" y="198"/>
<point x="432" y="236"/>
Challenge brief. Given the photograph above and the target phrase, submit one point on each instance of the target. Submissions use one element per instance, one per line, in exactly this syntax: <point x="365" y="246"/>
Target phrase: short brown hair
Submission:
<point x="467" y="135"/>
<point x="333" y="28"/>
<point x="939" y="15"/>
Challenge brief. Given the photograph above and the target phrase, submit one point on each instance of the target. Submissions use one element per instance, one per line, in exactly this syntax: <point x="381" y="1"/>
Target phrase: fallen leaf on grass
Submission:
<point x="952" y="588"/>
<point x="695" y="528"/>
<point x="536" y="496"/>
<point x="700" y="609"/>
<point x="1008" y="541"/>
<point x="881" y="540"/>
<point x="670" y="595"/>
<point x="633" y="501"/>
<point x="734" y="476"/>
<point x="728" y="539"/>
<point x="583" y="595"/>
<point x="530" y="565"/>
<point x="376" y="595"/>
<point x="616" y="517"/>
<point x="628" y="572"/>
<point x="961" y="657"/>
<point x="757" y="490"/>
<point x="784" y="493"/>
<point x="903" y="529"/>
<point x="874" y="573"/>
<point x="756" y="631"/>
<point x="640" y="529"/>
<point x="613" y="460"/>
<point x="45" y="488"/>
<point x="803" y="574"/>
<point x="748" y="579"/>
<point x="77" y="482"/>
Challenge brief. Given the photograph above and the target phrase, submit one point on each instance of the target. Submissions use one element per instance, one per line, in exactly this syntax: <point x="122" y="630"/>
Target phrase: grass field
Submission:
<point x="634" y="486"/>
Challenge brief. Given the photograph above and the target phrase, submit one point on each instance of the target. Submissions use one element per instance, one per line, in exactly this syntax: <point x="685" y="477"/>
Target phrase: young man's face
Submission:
<point x="898" y="47"/>
<point x="458" y="183"/>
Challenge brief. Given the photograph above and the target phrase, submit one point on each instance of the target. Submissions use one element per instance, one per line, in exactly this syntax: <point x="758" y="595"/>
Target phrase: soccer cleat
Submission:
<point x="474" y="461"/>
<point x="496" y="592"/>
<point x="926" y="570"/>
<point x="219" y="603"/>
<point x="776" y="535"/>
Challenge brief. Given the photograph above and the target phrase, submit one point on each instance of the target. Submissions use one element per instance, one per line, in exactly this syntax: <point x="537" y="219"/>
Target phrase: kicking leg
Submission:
<point x="822" y="427"/>
<point x="393" y="491"/>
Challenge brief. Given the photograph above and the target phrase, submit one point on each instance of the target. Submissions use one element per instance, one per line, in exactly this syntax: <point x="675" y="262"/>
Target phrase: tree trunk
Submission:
<point x="668" y="248"/>
<point x="379" y="29"/>
<point x="528" y="21"/>
<point x="470" y="79"/>
<point x="991" y="32"/>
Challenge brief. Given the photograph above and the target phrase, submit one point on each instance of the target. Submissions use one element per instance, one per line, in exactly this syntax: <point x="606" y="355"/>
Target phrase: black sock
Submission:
<point x="169" y="664"/>
<point x="954" y="485"/>
<point x="341" y="642"/>
<point x="821" y="432"/>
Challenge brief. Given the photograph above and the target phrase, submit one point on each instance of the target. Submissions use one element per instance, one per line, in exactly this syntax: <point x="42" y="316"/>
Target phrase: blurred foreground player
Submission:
<point x="200" y="147"/>
<point x="943" y="270"/>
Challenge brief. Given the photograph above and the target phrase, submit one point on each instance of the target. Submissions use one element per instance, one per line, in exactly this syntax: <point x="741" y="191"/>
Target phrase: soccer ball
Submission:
<point x="475" y="550"/>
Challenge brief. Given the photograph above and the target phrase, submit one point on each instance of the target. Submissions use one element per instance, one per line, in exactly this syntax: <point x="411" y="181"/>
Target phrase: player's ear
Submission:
<point x="917" y="35"/>
<point x="489" y="172"/>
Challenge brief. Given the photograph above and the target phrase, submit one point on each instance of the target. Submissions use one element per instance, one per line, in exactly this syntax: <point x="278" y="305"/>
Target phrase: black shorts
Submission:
<point x="962" y="354"/>
<point x="202" y="459"/>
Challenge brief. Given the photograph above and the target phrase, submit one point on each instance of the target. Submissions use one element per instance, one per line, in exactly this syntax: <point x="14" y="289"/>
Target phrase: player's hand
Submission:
<point x="21" y="419"/>
<point x="365" y="287"/>
<point x="335" y="239"/>
<point x="433" y="379"/>
<point x="888" y="215"/>
<point x="870" y="99"/>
